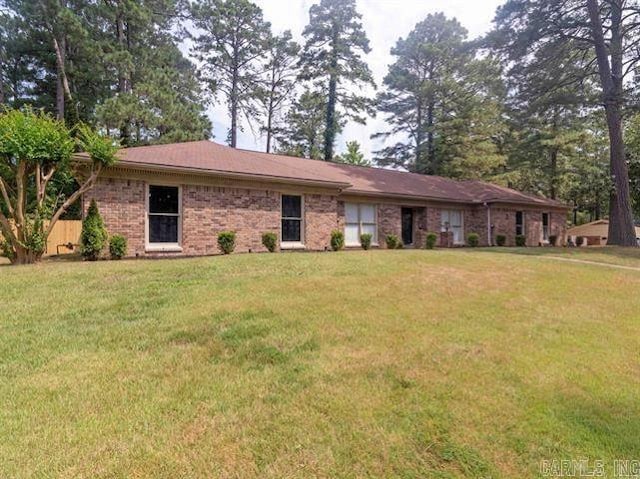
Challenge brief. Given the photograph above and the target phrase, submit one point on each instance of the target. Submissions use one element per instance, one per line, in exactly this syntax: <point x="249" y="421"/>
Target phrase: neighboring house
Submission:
<point x="594" y="233"/>
<point x="175" y="199"/>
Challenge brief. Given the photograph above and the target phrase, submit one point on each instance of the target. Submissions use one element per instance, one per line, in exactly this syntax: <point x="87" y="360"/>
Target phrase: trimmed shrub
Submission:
<point x="473" y="239"/>
<point x="501" y="240"/>
<point x="118" y="247"/>
<point x="392" y="241"/>
<point x="337" y="240"/>
<point x="553" y="239"/>
<point x="400" y="245"/>
<point x="432" y="239"/>
<point x="521" y="240"/>
<point x="227" y="241"/>
<point x="365" y="241"/>
<point x="94" y="235"/>
<point x="270" y="241"/>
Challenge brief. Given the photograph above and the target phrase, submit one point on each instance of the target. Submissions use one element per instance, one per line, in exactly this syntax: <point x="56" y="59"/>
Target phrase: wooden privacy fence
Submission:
<point x="64" y="237"/>
<point x="64" y="232"/>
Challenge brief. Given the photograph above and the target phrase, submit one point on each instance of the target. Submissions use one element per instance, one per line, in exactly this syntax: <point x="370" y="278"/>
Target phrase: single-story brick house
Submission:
<point x="174" y="200"/>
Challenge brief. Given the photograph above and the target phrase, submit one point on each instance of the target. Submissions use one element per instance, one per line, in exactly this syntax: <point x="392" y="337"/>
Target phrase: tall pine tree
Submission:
<point x="332" y="60"/>
<point x="278" y="83"/>
<point x="442" y="104"/>
<point x="232" y="40"/>
<point x="603" y="36"/>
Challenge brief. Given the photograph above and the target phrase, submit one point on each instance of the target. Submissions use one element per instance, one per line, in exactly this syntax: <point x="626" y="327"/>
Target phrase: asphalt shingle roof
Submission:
<point x="207" y="156"/>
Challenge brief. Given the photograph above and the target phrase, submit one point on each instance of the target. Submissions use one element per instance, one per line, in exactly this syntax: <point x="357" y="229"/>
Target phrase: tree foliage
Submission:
<point x="443" y="105"/>
<point x="33" y="148"/>
<point x="231" y="41"/>
<point x="332" y="60"/>
<point x="279" y="81"/>
<point x="593" y="39"/>
<point x="303" y="128"/>
<point x="353" y="155"/>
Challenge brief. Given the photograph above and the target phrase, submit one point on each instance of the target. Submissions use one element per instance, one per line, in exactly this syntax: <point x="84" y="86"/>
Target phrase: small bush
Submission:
<point x="553" y="239"/>
<point x="521" y="240"/>
<point x="501" y="240"/>
<point x="432" y="239"/>
<point x="227" y="241"/>
<point x="473" y="239"/>
<point x="337" y="240"/>
<point x="400" y="245"/>
<point x="270" y="241"/>
<point x="94" y="235"/>
<point x="365" y="241"/>
<point x="392" y="241"/>
<point x="118" y="247"/>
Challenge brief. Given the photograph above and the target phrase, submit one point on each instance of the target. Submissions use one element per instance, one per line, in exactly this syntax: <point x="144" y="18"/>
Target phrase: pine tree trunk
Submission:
<point x="233" y="108"/>
<point x="621" y="227"/>
<point x="60" y="96"/>
<point x="330" y="124"/>
<point x="2" y="94"/>
<point x="431" y="146"/>
<point x="234" y="116"/>
<point x="269" y="120"/>
<point x="554" y="172"/>
<point x="330" y="127"/>
<point x="419" y="165"/>
<point x="123" y="87"/>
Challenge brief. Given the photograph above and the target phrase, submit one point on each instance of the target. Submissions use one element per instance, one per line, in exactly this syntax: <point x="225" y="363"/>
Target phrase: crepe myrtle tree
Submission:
<point x="34" y="147"/>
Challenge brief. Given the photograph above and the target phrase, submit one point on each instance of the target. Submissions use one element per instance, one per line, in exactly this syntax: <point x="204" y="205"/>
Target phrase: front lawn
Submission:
<point x="356" y="364"/>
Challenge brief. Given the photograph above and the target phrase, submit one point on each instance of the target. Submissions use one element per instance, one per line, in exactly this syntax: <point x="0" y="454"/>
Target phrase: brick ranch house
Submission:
<point x="174" y="200"/>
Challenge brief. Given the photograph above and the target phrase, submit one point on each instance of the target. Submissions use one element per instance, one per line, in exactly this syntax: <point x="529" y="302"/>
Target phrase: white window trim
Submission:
<point x="294" y="244"/>
<point x="524" y="230"/>
<point x="542" y="238"/>
<point x="374" y="241"/>
<point x="162" y="247"/>
<point x="442" y="227"/>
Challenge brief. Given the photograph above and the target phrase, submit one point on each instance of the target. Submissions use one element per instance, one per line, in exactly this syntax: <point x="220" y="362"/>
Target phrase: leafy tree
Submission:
<point x="303" y="128"/>
<point x="353" y="155"/>
<point x="158" y="96"/>
<point x="443" y="106"/>
<point x="279" y="82"/>
<point x="332" y="60"/>
<point x="33" y="147"/>
<point x="599" y="39"/>
<point x="633" y="153"/>
<point x="232" y="40"/>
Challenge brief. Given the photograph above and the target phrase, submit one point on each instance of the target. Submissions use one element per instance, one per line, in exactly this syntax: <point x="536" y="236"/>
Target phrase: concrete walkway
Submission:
<point x="596" y="263"/>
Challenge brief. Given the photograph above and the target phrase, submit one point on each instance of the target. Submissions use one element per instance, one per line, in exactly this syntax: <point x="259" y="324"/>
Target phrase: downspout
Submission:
<point x="488" y="206"/>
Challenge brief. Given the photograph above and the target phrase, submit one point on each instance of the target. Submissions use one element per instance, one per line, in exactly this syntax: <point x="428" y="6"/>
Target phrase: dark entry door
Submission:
<point x="407" y="226"/>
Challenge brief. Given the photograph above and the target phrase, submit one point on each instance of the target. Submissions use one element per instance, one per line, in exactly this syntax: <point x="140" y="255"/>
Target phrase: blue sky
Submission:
<point x="384" y="21"/>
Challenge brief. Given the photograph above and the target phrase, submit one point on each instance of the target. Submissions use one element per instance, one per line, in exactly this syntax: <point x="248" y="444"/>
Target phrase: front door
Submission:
<point x="407" y="226"/>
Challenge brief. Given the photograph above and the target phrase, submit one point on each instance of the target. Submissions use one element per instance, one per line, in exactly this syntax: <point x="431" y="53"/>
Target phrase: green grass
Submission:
<point x="406" y="364"/>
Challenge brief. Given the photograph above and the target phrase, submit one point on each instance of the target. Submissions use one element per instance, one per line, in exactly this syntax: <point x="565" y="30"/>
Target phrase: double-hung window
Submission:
<point x="292" y="221"/>
<point x="360" y="218"/>
<point x="452" y="220"/>
<point x="545" y="226"/>
<point x="163" y="216"/>
<point x="519" y="223"/>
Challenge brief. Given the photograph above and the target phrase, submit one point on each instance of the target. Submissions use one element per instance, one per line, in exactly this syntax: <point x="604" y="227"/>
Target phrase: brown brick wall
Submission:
<point x="321" y="218"/>
<point x="122" y="206"/>
<point x="389" y="222"/>
<point x="207" y="210"/>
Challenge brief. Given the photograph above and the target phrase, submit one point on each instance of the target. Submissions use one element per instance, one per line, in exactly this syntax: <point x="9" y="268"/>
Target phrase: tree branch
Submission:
<point x="88" y="184"/>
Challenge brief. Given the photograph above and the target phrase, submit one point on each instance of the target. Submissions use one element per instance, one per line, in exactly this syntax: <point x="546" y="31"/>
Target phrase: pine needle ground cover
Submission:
<point x="352" y="364"/>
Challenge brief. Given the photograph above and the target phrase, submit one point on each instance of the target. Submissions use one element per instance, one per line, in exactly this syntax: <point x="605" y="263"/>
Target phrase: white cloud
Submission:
<point x="385" y="21"/>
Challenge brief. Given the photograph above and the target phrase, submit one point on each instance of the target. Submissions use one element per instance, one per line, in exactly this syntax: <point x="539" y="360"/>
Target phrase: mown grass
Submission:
<point x="361" y="364"/>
